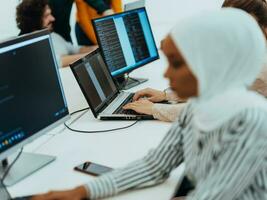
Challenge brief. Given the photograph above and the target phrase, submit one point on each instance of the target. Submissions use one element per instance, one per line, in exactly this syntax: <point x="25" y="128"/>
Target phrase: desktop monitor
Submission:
<point x="126" y="42"/>
<point x="32" y="101"/>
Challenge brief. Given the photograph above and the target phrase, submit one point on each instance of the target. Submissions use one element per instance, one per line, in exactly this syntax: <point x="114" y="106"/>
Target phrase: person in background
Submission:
<point x="84" y="29"/>
<point x="61" y="10"/>
<point x="169" y="112"/>
<point x="33" y="15"/>
<point x="221" y="133"/>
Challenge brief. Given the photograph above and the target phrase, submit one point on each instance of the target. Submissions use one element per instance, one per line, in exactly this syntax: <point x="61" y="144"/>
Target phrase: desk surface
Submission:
<point x="114" y="149"/>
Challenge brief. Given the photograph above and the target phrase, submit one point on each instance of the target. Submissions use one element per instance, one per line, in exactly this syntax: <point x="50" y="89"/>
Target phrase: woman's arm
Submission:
<point x="66" y="60"/>
<point x="152" y="169"/>
<point x="163" y="112"/>
<point x="87" y="49"/>
<point x="240" y="160"/>
<point x="167" y="112"/>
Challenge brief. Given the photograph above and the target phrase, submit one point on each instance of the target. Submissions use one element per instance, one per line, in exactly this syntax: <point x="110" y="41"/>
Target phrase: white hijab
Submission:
<point x="225" y="50"/>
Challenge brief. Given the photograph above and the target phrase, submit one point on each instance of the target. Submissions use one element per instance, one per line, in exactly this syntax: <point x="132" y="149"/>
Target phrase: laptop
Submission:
<point x="4" y="194"/>
<point x="102" y="94"/>
<point x="134" y="5"/>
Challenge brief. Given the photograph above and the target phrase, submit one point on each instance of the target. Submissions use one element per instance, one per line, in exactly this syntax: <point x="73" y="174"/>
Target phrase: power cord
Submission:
<point x="58" y="132"/>
<point x="101" y="131"/>
<point x="77" y="111"/>
<point x="96" y="131"/>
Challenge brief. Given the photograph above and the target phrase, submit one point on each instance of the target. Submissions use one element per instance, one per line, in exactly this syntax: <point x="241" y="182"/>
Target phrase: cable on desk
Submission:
<point x="53" y="135"/>
<point x="77" y="111"/>
<point x="100" y="131"/>
<point x="10" y="166"/>
<point x="96" y="131"/>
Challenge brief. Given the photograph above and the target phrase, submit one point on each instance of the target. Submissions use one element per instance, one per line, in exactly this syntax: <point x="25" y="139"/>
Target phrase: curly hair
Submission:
<point x="257" y="8"/>
<point x="29" y="15"/>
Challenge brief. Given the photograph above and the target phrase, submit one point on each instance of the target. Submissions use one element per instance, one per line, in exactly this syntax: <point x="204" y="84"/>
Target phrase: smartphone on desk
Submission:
<point x="92" y="168"/>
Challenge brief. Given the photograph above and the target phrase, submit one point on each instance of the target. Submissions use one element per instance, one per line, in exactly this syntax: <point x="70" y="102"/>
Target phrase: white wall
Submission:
<point x="158" y="12"/>
<point x="7" y="18"/>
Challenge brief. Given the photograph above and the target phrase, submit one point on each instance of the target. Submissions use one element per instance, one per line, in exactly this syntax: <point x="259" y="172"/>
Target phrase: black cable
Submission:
<point x="77" y="111"/>
<point x="100" y="131"/>
<point x="10" y="166"/>
<point x="96" y="131"/>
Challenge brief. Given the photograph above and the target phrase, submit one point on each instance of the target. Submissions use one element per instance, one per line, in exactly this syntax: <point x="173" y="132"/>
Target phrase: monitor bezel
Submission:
<point x="24" y="37"/>
<point x="101" y="48"/>
<point x="32" y="137"/>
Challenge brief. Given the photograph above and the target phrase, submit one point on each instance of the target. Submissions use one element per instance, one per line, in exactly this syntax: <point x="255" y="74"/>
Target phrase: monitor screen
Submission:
<point x="31" y="95"/>
<point x="126" y="40"/>
<point x="94" y="79"/>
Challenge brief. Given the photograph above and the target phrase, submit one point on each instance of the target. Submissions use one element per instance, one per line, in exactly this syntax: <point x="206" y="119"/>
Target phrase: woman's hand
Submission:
<point x="141" y="106"/>
<point x="151" y="95"/>
<point x="78" y="193"/>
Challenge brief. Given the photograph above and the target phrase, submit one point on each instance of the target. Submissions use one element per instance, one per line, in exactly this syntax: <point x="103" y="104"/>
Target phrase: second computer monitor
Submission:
<point x="126" y="41"/>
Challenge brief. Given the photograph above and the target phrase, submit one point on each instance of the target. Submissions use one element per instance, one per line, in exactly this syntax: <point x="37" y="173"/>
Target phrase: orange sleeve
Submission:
<point x="84" y="19"/>
<point x="116" y="5"/>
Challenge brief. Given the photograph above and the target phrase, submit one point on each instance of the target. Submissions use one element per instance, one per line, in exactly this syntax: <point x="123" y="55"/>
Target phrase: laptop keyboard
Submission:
<point x="126" y="112"/>
<point x="120" y="109"/>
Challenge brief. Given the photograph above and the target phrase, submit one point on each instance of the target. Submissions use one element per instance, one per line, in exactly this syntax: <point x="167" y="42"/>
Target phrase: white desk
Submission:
<point x="114" y="149"/>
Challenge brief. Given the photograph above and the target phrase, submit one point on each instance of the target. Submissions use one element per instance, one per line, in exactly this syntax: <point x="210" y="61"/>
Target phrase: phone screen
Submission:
<point x="93" y="168"/>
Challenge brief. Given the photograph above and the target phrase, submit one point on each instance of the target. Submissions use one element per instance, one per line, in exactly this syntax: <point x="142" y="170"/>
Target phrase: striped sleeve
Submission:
<point x="151" y="170"/>
<point x="241" y="159"/>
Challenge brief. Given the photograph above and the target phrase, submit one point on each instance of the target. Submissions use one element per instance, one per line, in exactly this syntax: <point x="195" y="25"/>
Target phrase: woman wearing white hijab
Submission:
<point x="169" y="112"/>
<point x="221" y="134"/>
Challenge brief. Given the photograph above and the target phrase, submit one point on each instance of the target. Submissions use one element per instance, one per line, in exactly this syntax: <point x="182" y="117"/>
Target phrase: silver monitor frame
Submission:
<point x="31" y="138"/>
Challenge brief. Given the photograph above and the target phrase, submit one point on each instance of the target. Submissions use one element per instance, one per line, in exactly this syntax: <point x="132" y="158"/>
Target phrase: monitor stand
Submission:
<point x="27" y="164"/>
<point x="125" y="82"/>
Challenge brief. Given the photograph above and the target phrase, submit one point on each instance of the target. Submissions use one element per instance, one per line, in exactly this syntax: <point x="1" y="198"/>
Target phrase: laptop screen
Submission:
<point x="95" y="80"/>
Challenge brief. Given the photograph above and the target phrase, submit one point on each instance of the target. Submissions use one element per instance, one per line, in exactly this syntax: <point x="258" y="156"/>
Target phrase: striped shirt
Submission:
<point x="229" y="163"/>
